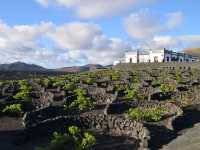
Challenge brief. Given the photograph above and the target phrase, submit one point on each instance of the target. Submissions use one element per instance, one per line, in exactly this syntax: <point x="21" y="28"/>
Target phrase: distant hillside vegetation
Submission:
<point x="89" y="67"/>
<point x="193" y="51"/>
<point x="20" y="66"/>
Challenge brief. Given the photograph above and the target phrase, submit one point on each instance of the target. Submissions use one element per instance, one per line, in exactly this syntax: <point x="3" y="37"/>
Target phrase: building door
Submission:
<point x="167" y="59"/>
<point x="156" y="59"/>
<point x="131" y="60"/>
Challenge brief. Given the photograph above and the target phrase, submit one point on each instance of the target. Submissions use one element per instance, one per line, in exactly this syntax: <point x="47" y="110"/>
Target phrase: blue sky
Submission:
<point x="56" y="33"/>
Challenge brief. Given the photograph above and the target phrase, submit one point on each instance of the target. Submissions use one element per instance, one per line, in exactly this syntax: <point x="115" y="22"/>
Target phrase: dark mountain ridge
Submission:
<point x="21" y="66"/>
<point x="88" y="67"/>
<point x="24" y="67"/>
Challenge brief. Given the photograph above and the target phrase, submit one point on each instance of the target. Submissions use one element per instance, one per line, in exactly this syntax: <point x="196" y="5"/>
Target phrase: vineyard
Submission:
<point x="106" y="109"/>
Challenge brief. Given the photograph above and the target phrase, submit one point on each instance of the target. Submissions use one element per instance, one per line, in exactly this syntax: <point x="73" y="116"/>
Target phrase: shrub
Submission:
<point x="115" y="76"/>
<point x="76" y="140"/>
<point x="178" y="77"/>
<point x="22" y="95"/>
<point x="58" y="83"/>
<point x="156" y="83"/>
<point x="118" y="86"/>
<point x="89" y="80"/>
<point x="145" y="114"/>
<point x="166" y="88"/>
<point x="82" y="101"/>
<point x="25" y="90"/>
<point x="131" y="93"/>
<point x="68" y="86"/>
<point x="135" y="78"/>
<point x="194" y="73"/>
<point x="87" y="142"/>
<point x="13" y="109"/>
<point x="59" y="142"/>
<point x="80" y="91"/>
<point x="73" y="130"/>
<point x="46" y="82"/>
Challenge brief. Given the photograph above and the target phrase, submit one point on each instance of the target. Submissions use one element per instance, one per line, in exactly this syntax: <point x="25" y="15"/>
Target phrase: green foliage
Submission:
<point x="89" y="81"/>
<point x="156" y="83"/>
<point x="80" y="91"/>
<point x="87" y="142"/>
<point x="135" y="78"/>
<point x="115" y="76"/>
<point x="134" y="114"/>
<point x="46" y="82"/>
<point x="22" y="95"/>
<point x="75" y="79"/>
<point x="82" y="101"/>
<point x="179" y="77"/>
<point x="58" y="142"/>
<point x="68" y="86"/>
<point x="14" y="108"/>
<point x="24" y="91"/>
<point x="58" y="83"/>
<point x="73" y="130"/>
<point x="76" y="140"/>
<point x="118" y="86"/>
<point x="166" y="88"/>
<point x="131" y="93"/>
<point x="194" y="73"/>
<point x="145" y="114"/>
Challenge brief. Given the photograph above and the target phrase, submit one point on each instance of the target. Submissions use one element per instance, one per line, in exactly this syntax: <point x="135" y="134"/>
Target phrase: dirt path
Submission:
<point x="189" y="140"/>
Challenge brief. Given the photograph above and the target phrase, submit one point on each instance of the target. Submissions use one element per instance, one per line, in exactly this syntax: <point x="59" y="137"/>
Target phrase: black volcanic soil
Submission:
<point x="12" y="135"/>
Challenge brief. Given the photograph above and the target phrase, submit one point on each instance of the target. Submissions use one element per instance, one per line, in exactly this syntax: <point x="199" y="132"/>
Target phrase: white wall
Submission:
<point x="144" y="58"/>
<point x="116" y="62"/>
<point x="129" y="56"/>
<point x="159" y="55"/>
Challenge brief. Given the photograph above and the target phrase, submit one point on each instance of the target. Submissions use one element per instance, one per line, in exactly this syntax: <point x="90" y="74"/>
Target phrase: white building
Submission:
<point x="162" y="55"/>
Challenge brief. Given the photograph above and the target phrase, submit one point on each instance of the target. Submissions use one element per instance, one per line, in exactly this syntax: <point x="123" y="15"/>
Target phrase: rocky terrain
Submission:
<point x="106" y="109"/>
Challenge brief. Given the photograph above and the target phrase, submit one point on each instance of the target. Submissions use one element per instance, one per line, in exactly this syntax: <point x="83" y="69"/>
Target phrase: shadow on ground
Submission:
<point x="161" y="136"/>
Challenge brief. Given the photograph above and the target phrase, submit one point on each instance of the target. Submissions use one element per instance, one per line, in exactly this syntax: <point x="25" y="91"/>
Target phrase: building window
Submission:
<point x="181" y="60"/>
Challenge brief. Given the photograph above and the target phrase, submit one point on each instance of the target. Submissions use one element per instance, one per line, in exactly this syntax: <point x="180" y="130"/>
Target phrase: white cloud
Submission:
<point x="190" y="40"/>
<point x="144" y="25"/>
<point x="95" y="8"/>
<point x="43" y="2"/>
<point x="175" y="19"/>
<point x="171" y="42"/>
<point x="65" y="45"/>
<point x="163" y="42"/>
<point x="75" y="35"/>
